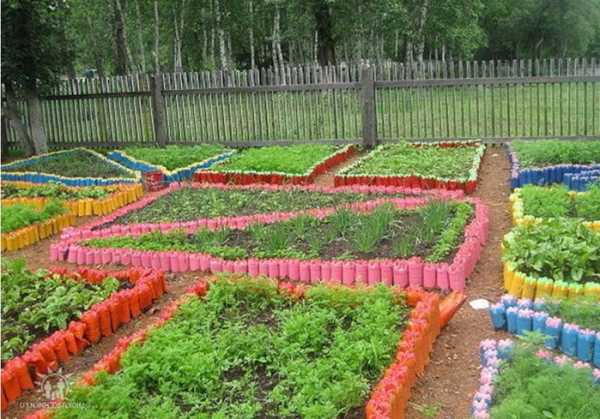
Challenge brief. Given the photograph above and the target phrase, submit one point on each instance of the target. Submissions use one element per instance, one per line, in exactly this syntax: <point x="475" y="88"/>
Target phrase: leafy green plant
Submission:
<point x="426" y="161"/>
<point x="553" y="152"/>
<point x="76" y="163"/>
<point x="556" y="201"/>
<point x="54" y="190"/>
<point x="559" y="249"/>
<point x="14" y="217"/>
<point x="587" y="204"/>
<point x="292" y="160"/>
<point x="246" y="350"/>
<point x="174" y="156"/>
<point x="530" y="387"/>
<point x="34" y="306"/>
<point x="584" y="312"/>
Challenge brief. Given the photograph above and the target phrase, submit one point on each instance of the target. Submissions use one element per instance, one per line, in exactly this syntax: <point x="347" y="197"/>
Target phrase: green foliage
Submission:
<point x="292" y="160"/>
<point x="54" y="190"/>
<point x="247" y="351"/>
<point x="553" y="152"/>
<point x="532" y="388"/>
<point x="34" y="49"/>
<point x="408" y="160"/>
<point x="173" y="156"/>
<point x="343" y="235"/>
<point x="14" y="217"/>
<point x="188" y="204"/>
<point x="76" y="163"/>
<point x="555" y="201"/>
<point x="34" y="306"/>
<point x="583" y="311"/>
<point x="560" y="249"/>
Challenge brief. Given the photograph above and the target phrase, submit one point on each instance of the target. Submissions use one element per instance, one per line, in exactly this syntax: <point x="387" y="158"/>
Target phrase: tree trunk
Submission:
<point x="38" y="136"/>
<point x="140" y="36"/>
<point x="156" y="39"/>
<point x="122" y="39"/>
<point x="316" y="48"/>
<point x="221" y="35"/>
<point x="419" y="33"/>
<point x="119" y="53"/>
<point x="179" y="26"/>
<point x="326" y="44"/>
<point x="409" y="51"/>
<point x="276" y="40"/>
<point x="11" y="113"/>
<point x="251" y="33"/>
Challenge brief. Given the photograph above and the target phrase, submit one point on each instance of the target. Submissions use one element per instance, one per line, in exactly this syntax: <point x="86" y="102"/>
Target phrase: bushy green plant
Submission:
<point x="553" y="152"/>
<point x="292" y="160"/>
<point x="175" y="156"/>
<point x="532" y="388"/>
<point x="54" y="190"/>
<point x="14" y="217"/>
<point x="246" y="350"/>
<point x="34" y="306"/>
<point x="556" y="201"/>
<point x="584" y="312"/>
<point x="560" y="249"/>
<point x="587" y="205"/>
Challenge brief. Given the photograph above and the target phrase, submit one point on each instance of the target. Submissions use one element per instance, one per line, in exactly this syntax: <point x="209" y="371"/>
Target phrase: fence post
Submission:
<point x="367" y="98"/>
<point x="158" y="109"/>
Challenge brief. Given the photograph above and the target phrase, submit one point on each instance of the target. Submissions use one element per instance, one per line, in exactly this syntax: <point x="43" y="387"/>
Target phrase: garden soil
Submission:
<point x="450" y="380"/>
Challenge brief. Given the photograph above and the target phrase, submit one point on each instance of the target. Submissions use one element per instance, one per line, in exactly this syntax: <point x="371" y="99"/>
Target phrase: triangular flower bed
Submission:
<point x="247" y="177"/>
<point x="170" y="175"/>
<point x="388" y="397"/>
<point x="406" y="166"/>
<point x="141" y="288"/>
<point x="413" y="272"/>
<point x="32" y="169"/>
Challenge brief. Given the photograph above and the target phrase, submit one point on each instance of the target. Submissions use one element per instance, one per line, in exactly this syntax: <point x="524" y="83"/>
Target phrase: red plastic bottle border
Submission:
<point x="100" y="320"/>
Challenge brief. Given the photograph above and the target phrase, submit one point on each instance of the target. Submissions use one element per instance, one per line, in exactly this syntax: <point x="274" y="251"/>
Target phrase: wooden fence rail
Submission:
<point x="161" y="110"/>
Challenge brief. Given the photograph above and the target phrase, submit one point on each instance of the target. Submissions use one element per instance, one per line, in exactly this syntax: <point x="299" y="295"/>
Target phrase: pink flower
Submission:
<point x="581" y="364"/>
<point x="561" y="360"/>
<point x="543" y="354"/>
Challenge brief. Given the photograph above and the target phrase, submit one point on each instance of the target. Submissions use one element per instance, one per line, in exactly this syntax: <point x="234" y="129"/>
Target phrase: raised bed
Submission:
<point x="139" y="290"/>
<point x="532" y="204"/>
<point x="81" y="202"/>
<point x="558" y="258"/>
<point x="417" y="165"/>
<point x="190" y="206"/>
<point x="297" y="165"/>
<point x="520" y="381"/>
<point x="25" y="224"/>
<point x="266" y="314"/>
<point x="462" y="248"/>
<point x="176" y="163"/>
<point x="74" y="167"/>
<point x="583" y="180"/>
<point x="550" y="161"/>
<point x="572" y="327"/>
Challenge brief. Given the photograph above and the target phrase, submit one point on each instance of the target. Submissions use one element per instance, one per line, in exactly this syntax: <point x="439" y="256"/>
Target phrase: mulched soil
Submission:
<point x="451" y="378"/>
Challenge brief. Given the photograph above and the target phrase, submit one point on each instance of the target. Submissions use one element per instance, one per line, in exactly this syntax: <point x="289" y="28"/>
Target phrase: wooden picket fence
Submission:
<point x="326" y="104"/>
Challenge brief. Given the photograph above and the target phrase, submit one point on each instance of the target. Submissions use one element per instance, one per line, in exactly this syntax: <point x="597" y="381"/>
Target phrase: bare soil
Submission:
<point x="450" y="379"/>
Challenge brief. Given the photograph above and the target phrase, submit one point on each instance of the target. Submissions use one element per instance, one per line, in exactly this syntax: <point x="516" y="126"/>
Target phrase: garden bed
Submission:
<point x="519" y="380"/>
<point x="204" y="247"/>
<point x="572" y="327"/>
<point x="556" y="257"/>
<point x="427" y="166"/>
<point x="298" y="165"/>
<point x="549" y="161"/>
<point x="190" y="206"/>
<point x="75" y="167"/>
<point x="48" y="317"/>
<point x="262" y="350"/>
<point x="82" y="201"/>
<point x="533" y="203"/>
<point x="24" y="224"/>
<point x="176" y="163"/>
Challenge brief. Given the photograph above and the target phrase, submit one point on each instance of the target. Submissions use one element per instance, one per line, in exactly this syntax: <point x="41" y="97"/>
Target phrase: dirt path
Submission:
<point x="451" y="378"/>
<point x="327" y="178"/>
